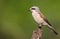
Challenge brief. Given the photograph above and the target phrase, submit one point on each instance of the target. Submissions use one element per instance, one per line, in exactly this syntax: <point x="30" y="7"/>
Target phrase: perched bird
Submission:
<point x="40" y="19"/>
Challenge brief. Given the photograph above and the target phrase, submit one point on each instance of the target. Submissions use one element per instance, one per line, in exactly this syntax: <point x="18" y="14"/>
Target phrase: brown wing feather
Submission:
<point x="45" y="19"/>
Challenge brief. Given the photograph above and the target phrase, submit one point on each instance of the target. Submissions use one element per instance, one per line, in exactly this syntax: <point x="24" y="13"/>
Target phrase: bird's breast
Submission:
<point x="37" y="17"/>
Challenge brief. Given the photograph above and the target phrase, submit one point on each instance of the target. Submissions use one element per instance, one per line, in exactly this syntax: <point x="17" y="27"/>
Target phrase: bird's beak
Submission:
<point x="29" y="9"/>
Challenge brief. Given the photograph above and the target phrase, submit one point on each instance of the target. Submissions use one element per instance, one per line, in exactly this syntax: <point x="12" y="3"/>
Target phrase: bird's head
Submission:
<point x="34" y="9"/>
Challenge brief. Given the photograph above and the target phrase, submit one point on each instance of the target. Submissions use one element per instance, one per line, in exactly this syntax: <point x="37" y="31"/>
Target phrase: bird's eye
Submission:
<point x="33" y="8"/>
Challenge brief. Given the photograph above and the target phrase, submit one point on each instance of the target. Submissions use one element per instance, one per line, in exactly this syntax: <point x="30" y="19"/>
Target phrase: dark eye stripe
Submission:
<point x="33" y="8"/>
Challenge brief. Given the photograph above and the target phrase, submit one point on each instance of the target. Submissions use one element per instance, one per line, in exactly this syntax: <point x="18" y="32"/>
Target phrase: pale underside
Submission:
<point x="38" y="19"/>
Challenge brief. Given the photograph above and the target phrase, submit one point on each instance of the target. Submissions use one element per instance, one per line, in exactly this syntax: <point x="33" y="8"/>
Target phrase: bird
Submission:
<point x="40" y="19"/>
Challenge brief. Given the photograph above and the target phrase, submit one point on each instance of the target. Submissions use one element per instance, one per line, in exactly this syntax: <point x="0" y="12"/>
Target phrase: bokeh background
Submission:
<point x="16" y="21"/>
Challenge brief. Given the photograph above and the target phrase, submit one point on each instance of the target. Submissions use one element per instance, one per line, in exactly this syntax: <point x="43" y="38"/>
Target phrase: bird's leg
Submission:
<point x="40" y="25"/>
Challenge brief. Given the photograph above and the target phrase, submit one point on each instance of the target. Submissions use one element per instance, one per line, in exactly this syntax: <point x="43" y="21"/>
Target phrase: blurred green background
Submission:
<point x="16" y="21"/>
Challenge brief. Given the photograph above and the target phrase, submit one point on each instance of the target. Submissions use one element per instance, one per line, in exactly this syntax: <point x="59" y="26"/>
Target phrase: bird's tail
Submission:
<point x="50" y="27"/>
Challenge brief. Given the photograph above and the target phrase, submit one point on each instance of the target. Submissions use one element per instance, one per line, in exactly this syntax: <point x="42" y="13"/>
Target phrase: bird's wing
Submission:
<point x="44" y="18"/>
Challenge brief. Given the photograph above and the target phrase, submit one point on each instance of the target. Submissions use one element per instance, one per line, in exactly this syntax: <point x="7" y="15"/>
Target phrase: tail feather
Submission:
<point x="55" y="32"/>
<point x="50" y="27"/>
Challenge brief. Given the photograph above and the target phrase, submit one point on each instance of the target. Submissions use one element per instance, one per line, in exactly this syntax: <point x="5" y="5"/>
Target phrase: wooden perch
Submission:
<point x="37" y="34"/>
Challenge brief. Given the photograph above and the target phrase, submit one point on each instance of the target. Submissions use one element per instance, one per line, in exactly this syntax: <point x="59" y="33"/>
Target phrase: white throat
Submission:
<point x="33" y="11"/>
